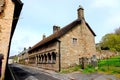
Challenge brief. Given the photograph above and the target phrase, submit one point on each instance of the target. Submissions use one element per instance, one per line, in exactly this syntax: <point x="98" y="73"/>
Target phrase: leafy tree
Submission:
<point x="117" y="31"/>
<point x="110" y="42"/>
<point x="15" y="58"/>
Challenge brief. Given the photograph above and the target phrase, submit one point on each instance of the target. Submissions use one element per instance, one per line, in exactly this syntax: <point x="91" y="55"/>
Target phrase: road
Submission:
<point x="26" y="73"/>
<point x="31" y="73"/>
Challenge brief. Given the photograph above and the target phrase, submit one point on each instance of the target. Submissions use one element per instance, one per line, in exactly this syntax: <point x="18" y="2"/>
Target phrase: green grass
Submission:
<point x="89" y="69"/>
<point x="114" y="61"/>
<point x="111" y="66"/>
<point x="71" y="69"/>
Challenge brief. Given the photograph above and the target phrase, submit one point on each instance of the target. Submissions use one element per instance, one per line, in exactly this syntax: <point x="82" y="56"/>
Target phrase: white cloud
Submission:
<point x="23" y="38"/>
<point x="106" y="3"/>
<point x="113" y="21"/>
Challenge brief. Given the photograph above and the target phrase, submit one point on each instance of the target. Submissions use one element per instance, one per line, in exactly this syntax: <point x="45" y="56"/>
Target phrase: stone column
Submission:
<point x="28" y="60"/>
<point x="38" y="59"/>
<point x="35" y="59"/>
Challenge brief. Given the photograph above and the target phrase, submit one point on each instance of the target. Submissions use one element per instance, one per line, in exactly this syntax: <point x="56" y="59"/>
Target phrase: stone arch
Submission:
<point x="42" y="58"/>
<point x="53" y="57"/>
<point x="45" y="57"/>
<point x="36" y="59"/>
<point x="49" y="57"/>
<point x="39" y="59"/>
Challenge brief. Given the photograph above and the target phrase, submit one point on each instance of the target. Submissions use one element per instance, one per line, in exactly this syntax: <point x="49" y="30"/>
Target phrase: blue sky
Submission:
<point x="39" y="16"/>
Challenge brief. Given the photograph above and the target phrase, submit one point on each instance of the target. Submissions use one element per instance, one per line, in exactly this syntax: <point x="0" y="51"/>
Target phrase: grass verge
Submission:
<point x="109" y="66"/>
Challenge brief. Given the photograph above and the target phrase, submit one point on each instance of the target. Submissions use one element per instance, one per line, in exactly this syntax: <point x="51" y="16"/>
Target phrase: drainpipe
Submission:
<point x="59" y="55"/>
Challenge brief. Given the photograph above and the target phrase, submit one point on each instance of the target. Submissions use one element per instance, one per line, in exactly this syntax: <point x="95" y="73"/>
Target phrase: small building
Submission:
<point x="11" y="60"/>
<point x="9" y="15"/>
<point x="23" y="57"/>
<point x="65" y="46"/>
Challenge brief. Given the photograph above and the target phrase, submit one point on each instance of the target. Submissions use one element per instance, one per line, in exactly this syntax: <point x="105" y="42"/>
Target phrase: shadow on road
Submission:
<point x="20" y="74"/>
<point x="24" y="73"/>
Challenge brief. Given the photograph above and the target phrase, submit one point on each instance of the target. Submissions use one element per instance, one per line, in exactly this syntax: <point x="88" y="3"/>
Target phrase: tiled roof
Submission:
<point x="59" y="33"/>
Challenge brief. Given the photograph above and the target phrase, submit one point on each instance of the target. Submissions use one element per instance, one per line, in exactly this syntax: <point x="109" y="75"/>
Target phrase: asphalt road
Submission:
<point x="32" y="73"/>
<point x="24" y="73"/>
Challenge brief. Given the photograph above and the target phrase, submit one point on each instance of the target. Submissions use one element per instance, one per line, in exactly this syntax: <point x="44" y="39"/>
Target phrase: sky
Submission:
<point x="38" y="17"/>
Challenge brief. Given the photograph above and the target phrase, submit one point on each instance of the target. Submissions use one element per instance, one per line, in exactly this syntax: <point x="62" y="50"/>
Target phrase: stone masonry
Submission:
<point x="8" y="21"/>
<point x="6" y="18"/>
<point x="85" y="46"/>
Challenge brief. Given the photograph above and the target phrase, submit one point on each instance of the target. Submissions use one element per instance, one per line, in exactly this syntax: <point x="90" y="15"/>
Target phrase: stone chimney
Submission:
<point x="29" y="47"/>
<point x="44" y="36"/>
<point x="80" y="12"/>
<point x="24" y="48"/>
<point x="56" y="28"/>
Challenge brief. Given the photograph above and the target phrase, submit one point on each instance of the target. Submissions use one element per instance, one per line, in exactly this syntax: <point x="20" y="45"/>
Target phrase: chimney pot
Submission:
<point x="44" y="36"/>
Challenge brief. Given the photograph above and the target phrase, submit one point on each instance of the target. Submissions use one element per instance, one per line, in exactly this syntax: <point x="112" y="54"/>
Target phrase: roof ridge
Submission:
<point x="60" y="33"/>
<point x="56" y="35"/>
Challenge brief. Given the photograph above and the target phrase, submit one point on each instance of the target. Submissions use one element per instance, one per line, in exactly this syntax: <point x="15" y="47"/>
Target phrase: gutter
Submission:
<point x="59" y="42"/>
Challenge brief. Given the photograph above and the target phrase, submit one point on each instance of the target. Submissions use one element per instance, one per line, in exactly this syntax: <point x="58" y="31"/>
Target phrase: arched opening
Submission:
<point x="45" y="58"/>
<point x="53" y="57"/>
<point x="49" y="58"/>
<point x="42" y="58"/>
<point x="39" y="61"/>
<point x="37" y="57"/>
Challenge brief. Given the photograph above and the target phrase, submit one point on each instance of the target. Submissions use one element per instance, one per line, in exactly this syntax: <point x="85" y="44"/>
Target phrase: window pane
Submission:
<point x="74" y="40"/>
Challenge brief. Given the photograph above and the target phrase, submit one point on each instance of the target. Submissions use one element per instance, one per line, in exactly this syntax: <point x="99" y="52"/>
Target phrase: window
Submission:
<point x="74" y="41"/>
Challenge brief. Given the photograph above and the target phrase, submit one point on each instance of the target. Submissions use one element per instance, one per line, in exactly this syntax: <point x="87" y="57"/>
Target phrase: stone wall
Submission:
<point x="45" y="50"/>
<point x="103" y="54"/>
<point x="5" y="30"/>
<point x="85" y="46"/>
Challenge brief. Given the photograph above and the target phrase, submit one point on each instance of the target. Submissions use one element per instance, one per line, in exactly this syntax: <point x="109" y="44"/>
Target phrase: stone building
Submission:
<point x="11" y="60"/>
<point x="9" y="15"/>
<point x="23" y="56"/>
<point x="65" y="46"/>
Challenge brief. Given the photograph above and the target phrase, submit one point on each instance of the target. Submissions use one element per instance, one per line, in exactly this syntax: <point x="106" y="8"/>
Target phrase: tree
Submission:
<point x="15" y="58"/>
<point x="110" y="42"/>
<point x="117" y="31"/>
